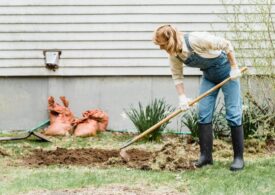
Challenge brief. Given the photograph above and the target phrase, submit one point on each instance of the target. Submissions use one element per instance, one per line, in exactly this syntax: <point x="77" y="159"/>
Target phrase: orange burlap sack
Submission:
<point x="100" y="116"/>
<point x="92" y="122"/>
<point x="61" y="118"/>
<point x="86" y="127"/>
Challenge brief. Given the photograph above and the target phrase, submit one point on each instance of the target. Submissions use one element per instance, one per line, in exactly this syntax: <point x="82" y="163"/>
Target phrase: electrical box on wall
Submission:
<point x="52" y="59"/>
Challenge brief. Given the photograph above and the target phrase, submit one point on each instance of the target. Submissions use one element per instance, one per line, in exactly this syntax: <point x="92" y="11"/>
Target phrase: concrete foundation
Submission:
<point x="23" y="101"/>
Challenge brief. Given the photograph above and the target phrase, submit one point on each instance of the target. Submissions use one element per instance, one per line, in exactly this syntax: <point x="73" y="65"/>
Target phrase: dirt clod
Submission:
<point x="2" y="153"/>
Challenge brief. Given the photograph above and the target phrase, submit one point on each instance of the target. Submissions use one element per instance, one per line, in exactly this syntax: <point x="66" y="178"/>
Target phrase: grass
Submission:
<point x="257" y="178"/>
<point x="53" y="178"/>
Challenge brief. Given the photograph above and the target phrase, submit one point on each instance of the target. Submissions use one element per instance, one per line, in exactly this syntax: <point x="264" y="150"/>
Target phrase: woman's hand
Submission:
<point x="235" y="72"/>
<point x="184" y="102"/>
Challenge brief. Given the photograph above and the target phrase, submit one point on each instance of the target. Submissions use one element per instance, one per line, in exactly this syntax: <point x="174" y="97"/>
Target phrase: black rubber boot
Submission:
<point x="238" y="147"/>
<point x="206" y="144"/>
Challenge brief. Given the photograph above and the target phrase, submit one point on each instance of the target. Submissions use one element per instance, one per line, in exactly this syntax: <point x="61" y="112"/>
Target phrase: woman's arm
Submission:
<point x="232" y="60"/>
<point x="235" y="71"/>
<point x="177" y="75"/>
<point x="180" y="89"/>
<point x="208" y="41"/>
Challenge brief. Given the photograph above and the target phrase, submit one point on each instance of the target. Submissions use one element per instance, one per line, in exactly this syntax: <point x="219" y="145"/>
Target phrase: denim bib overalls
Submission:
<point x="215" y="70"/>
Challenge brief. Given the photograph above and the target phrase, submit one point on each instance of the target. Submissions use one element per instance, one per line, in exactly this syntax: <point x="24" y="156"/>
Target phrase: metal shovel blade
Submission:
<point x="29" y="133"/>
<point x="123" y="154"/>
<point x="41" y="137"/>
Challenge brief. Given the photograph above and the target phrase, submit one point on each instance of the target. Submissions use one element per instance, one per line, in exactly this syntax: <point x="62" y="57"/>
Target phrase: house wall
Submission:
<point x="108" y="60"/>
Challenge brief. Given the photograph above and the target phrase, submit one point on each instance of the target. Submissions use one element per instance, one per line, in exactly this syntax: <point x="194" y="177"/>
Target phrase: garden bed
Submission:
<point x="175" y="155"/>
<point x="172" y="157"/>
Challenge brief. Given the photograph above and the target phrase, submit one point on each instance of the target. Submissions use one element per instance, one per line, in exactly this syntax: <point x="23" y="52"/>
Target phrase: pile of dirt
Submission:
<point x="270" y="145"/>
<point x="174" y="156"/>
<point x="255" y="146"/>
<point x="171" y="157"/>
<point x="138" y="159"/>
<point x="64" y="156"/>
<point x="2" y="153"/>
<point x="222" y="149"/>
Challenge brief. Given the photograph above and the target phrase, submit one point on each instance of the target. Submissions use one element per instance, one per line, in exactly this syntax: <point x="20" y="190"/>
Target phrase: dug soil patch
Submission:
<point x="87" y="157"/>
<point x="171" y="157"/>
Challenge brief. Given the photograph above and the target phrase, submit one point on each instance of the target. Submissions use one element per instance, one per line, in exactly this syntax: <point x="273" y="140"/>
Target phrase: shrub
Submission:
<point x="145" y="117"/>
<point x="254" y="46"/>
<point x="258" y="118"/>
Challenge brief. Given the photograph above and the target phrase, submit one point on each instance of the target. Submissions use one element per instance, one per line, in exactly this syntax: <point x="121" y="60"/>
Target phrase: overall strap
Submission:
<point x="186" y="38"/>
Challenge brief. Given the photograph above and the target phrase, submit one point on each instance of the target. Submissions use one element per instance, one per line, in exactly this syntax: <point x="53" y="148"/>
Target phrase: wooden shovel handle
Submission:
<point x="172" y="115"/>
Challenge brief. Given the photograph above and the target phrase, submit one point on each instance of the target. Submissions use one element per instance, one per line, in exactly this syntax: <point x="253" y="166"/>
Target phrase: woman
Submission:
<point x="215" y="58"/>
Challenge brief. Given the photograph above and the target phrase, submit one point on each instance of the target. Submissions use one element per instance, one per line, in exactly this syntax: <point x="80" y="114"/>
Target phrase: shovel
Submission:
<point x="30" y="133"/>
<point x="123" y="152"/>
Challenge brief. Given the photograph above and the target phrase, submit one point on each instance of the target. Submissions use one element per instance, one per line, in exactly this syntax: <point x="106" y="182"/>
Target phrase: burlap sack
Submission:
<point x="100" y="116"/>
<point x="92" y="122"/>
<point x="61" y="118"/>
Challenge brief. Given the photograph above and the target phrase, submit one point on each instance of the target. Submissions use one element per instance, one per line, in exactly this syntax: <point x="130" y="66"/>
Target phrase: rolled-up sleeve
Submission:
<point x="223" y="44"/>
<point x="176" y="67"/>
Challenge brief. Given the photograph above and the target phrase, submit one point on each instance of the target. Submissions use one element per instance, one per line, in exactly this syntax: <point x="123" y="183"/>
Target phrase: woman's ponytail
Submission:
<point x="169" y="37"/>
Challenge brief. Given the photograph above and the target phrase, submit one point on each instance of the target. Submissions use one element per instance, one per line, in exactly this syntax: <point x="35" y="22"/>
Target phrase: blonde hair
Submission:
<point x="169" y="38"/>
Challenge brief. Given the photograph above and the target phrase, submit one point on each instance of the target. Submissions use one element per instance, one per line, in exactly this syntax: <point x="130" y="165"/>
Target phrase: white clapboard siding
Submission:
<point x="93" y="70"/>
<point x="88" y="62"/>
<point x="93" y="45"/>
<point x="109" y="54"/>
<point x="99" y="19"/>
<point x="123" y="9"/>
<point x="139" y="27"/>
<point x="109" y="37"/>
<point x="94" y="36"/>
<point x="114" y="2"/>
<point x="114" y="19"/>
<point x="79" y="28"/>
<point x="99" y="62"/>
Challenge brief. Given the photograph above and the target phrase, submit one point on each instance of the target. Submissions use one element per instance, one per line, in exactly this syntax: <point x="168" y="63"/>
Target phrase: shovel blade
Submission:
<point x="123" y="154"/>
<point x="41" y="137"/>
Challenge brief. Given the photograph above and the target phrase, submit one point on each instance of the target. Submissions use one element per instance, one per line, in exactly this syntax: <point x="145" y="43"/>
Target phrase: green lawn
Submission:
<point x="257" y="178"/>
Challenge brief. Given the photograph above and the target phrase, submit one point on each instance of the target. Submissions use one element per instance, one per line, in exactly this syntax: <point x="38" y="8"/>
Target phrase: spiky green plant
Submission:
<point x="145" y="117"/>
<point x="190" y="120"/>
<point x="220" y="125"/>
